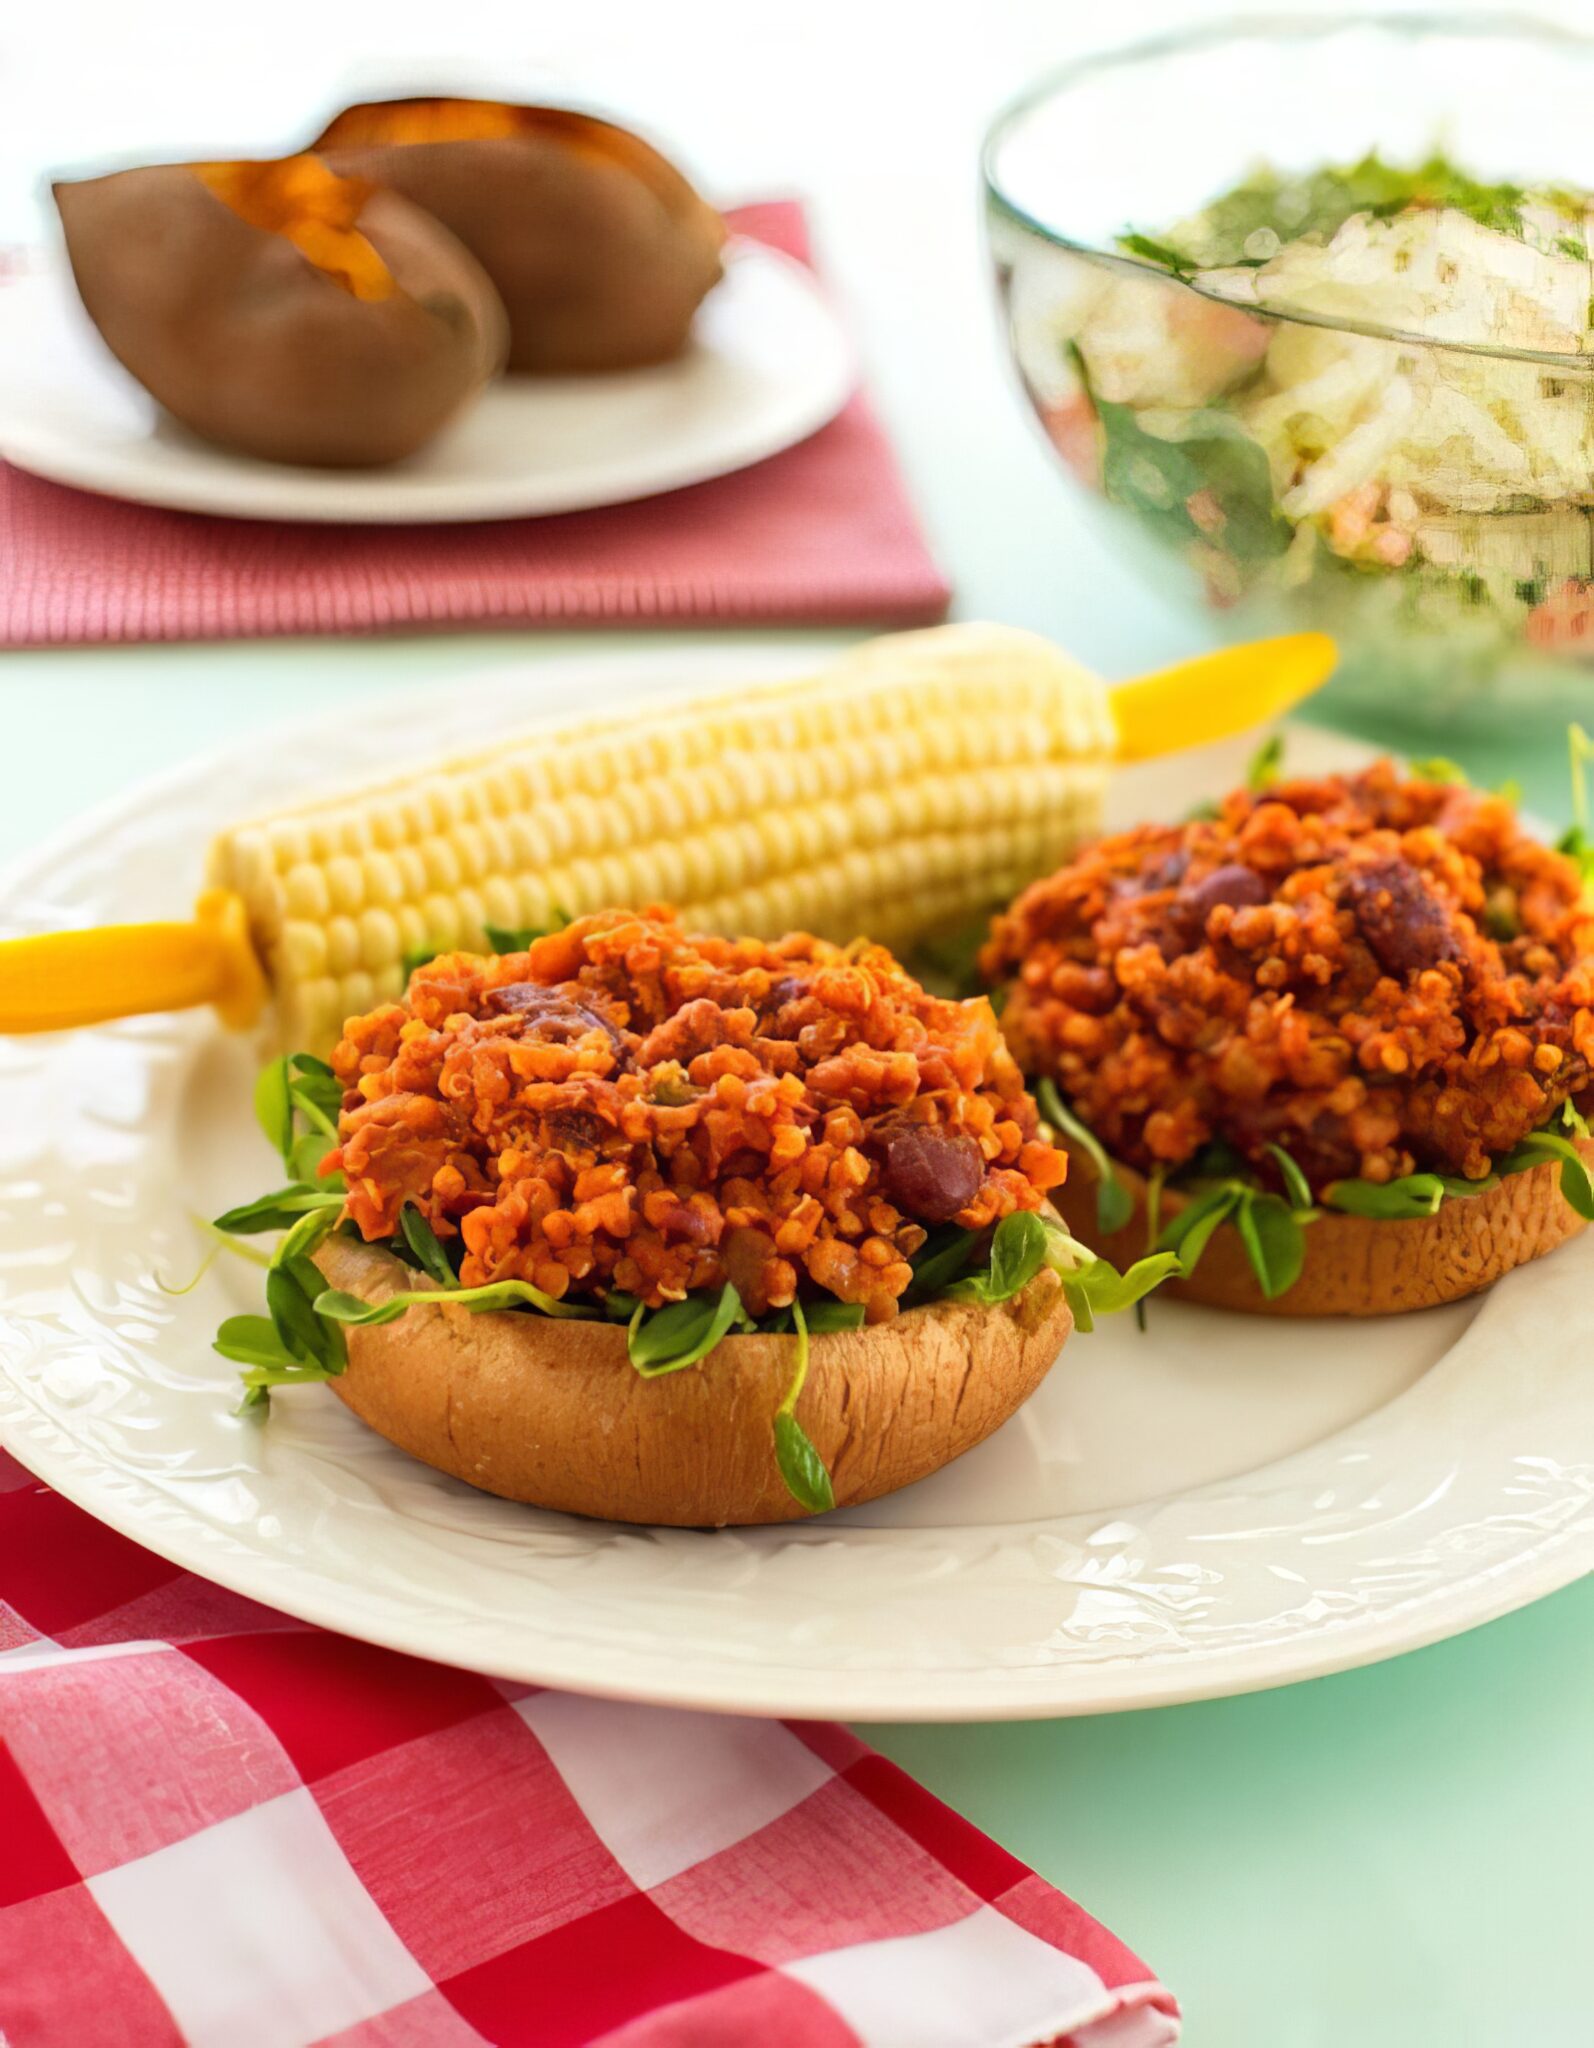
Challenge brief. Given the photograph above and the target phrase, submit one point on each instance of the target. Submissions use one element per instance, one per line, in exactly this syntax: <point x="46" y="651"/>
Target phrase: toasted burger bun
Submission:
<point x="552" y="1411"/>
<point x="1355" y="1265"/>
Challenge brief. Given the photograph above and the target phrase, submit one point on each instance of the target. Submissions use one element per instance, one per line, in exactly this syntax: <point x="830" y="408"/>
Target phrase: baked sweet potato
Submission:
<point x="601" y="250"/>
<point x="282" y="309"/>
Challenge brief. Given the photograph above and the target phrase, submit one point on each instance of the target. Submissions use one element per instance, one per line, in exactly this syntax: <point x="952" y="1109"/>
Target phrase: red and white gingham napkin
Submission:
<point x="220" y="1827"/>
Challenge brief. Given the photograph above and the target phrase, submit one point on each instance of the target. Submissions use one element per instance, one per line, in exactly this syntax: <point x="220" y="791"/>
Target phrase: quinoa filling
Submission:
<point x="626" y="1106"/>
<point x="1376" y="975"/>
<point x="688" y="1135"/>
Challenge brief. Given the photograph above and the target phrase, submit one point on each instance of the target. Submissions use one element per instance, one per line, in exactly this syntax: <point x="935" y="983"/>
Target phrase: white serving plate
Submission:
<point x="1218" y="1504"/>
<point x="767" y="366"/>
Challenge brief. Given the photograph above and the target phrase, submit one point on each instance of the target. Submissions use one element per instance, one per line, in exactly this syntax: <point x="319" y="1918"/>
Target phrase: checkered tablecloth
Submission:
<point x="220" y="1827"/>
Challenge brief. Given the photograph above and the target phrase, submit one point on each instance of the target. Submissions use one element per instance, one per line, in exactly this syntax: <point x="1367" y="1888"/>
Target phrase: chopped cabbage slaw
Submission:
<point x="1308" y="454"/>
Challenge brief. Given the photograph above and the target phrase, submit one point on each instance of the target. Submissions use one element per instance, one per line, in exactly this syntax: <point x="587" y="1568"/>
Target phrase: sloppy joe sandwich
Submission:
<point x="666" y="1227"/>
<point x="1330" y="1045"/>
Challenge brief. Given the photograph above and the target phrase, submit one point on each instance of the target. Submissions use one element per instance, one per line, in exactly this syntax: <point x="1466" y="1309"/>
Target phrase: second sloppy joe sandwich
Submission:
<point x="1332" y="1045"/>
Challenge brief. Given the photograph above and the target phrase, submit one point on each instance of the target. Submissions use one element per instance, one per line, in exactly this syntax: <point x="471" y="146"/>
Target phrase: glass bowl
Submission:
<point x="1421" y="485"/>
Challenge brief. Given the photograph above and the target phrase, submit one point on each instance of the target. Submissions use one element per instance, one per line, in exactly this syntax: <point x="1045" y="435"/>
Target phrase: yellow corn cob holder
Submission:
<point x="917" y="780"/>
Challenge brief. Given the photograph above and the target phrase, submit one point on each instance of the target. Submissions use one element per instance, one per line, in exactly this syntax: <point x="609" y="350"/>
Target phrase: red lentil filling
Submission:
<point x="630" y="1106"/>
<point x="1382" y="975"/>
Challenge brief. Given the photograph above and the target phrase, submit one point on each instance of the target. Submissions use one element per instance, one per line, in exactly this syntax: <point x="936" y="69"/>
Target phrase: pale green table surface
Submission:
<point x="1392" y="1858"/>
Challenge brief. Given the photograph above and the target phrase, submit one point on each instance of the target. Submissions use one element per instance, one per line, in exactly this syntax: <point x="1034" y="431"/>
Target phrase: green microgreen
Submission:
<point x="277" y="1211"/>
<point x="1094" y="1286"/>
<point x="800" y="1465"/>
<point x="1540" y="1148"/>
<point x="1269" y="1229"/>
<point x="940" y="1259"/>
<point x="1394" y="1201"/>
<point x="274" y="1106"/>
<point x="1114" y="1203"/>
<point x="203" y="1268"/>
<point x="1262" y="771"/>
<point x="1274" y="1242"/>
<point x="349" y="1309"/>
<point x="1575" y="840"/>
<point x="506" y="938"/>
<point x="1152" y="250"/>
<point x="1296" y="1185"/>
<point x="252" y="1340"/>
<point x="1099" y="1289"/>
<point x="423" y="1242"/>
<point x="301" y="1340"/>
<point x="947" y="959"/>
<point x="682" y="1332"/>
<point x="1018" y="1251"/>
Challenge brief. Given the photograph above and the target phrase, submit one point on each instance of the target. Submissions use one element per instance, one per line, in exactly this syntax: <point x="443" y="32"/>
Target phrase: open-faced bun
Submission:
<point x="1355" y="1265"/>
<point x="239" y="334"/>
<point x="552" y="1412"/>
<point x="601" y="249"/>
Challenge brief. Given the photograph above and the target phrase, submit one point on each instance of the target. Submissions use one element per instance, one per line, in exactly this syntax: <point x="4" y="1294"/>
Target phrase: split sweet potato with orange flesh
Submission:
<point x="282" y="309"/>
<point x="601" y="250"/>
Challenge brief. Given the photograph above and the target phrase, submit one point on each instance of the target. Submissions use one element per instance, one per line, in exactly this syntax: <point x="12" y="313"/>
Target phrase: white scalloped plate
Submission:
<point x="1215" y="1505"/>
<point x="768" y="365"/>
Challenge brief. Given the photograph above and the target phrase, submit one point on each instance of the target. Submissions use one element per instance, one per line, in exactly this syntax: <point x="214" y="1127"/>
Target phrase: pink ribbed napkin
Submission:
<point x="821" y="534"/>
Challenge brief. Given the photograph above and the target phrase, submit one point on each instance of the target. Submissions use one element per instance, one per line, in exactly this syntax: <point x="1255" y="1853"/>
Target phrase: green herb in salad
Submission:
<point x="1205" y="481"/>
<point x="1248" y="224"/>
<point x="1427" y="505"/>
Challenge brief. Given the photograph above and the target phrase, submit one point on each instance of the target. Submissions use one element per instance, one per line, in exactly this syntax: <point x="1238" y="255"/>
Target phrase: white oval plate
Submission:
<point x="767" y="366"/>
<point x="1218" y="1504"/>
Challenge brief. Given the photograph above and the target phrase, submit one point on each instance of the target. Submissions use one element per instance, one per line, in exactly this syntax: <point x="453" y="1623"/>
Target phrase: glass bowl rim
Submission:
<point x="1062" y="79"/>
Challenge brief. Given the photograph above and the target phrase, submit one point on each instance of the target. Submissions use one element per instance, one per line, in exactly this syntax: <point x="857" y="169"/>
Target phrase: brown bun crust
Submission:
<point x="1355" y="1265"/>
<point x="601" y="250"/>
<point x="242" y="339"/>
<point x="552" y="1412"/>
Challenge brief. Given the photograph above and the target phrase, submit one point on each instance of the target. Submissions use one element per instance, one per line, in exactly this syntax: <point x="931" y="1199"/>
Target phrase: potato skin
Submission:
<point x="239" y="337"/>
<point x="601" y="250"/>
<point x="1355" y="1265"/>
<point x="553" y="1413"/>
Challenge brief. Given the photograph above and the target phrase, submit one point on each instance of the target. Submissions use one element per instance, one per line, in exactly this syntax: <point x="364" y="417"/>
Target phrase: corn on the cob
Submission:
<point x="918" y="780"/>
